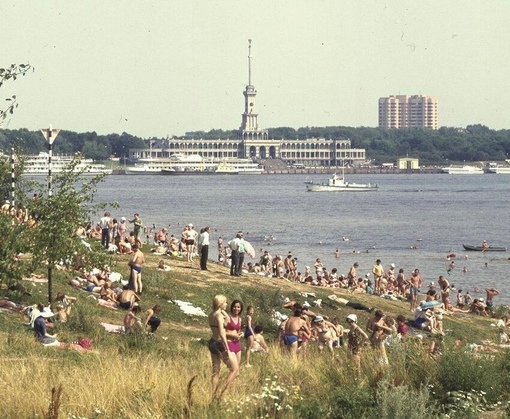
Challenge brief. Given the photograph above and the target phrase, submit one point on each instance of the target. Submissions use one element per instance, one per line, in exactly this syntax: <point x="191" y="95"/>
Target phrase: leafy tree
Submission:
<point x="59" y="215"/>
<point x="52" y="239"/>
<point x="12" y="72"/>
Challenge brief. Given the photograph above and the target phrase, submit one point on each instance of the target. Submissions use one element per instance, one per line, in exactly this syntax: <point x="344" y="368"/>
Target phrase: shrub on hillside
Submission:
<point x="472" y="371"/>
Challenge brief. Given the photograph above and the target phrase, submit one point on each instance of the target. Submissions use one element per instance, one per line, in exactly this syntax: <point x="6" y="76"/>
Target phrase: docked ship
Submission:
<point x="498" y="169"/>
<point x="194" y="164"/>
<point x="462" y="170"/>
<point x="38" y="165"/>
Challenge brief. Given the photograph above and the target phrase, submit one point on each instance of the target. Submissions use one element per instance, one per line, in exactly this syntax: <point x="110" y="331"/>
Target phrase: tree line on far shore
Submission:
<point x="433" y="147"/>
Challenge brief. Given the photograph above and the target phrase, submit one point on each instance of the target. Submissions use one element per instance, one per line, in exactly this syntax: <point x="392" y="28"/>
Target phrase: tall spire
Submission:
<point x="249" y="129"/>
<point x="249" y="62"/>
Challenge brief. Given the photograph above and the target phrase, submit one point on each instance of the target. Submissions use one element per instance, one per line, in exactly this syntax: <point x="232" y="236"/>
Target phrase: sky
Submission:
<point x="166" y="67"/>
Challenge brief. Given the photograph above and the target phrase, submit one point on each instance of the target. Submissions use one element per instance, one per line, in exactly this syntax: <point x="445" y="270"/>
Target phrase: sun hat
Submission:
<point x="353" y="317"/>
<point x="122" y="218"/>
<point x="318" y="319"/>
<point x="392" y="265"/>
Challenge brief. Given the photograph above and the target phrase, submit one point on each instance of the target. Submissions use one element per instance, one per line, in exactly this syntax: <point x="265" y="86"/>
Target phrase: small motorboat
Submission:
<point x="485" y="249"/>
<point x="338" y="184"/>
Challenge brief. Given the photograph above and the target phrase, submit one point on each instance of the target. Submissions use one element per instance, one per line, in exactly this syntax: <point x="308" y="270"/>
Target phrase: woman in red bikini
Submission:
<point x="233" y="329"/>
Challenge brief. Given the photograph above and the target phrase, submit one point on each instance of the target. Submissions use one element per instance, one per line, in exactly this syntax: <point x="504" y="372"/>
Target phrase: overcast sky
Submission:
<point x="165" y="67"/>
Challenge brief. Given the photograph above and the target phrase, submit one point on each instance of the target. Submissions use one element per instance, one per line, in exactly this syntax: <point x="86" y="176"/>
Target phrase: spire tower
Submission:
<point x="249" y="129"/>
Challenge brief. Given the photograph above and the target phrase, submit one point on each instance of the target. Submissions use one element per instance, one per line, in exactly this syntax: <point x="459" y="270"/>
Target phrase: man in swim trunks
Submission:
<point x="491" y="293"/>
<point x="127" y="298"/>
<point x="136" y="262"/>
<point x="291" y="329"/>
<point x="415" y="282"/>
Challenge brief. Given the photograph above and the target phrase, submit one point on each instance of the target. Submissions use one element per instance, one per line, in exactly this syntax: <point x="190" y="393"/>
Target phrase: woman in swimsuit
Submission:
<point x="248" y="333"/>
<point x="218" y="344"/>
<point x="233" y="329"/>
<point x="356" y="336"/>
<point x="325" y="333"/>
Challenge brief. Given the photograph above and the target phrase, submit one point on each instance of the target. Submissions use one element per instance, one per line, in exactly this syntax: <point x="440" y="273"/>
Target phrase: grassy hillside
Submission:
<point x="136" y="376"/>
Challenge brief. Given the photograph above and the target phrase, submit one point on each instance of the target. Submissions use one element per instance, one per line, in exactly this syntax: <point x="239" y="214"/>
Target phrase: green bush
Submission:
<point x="403" y="402"/>
<point x="471" y="371"/>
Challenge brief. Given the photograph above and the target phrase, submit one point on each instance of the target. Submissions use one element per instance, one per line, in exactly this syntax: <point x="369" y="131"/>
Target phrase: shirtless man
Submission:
<point x="291" y="328"/>
<point x="127" y="298"/>
<point x="288" y="266"/>
<point x="351" y="276"/>
<point x="378" y="272"/>
<point x="491" y="293"/>
<point x="161" y="237"/>
<point x="136" y="262"/>
<point x="415" y="282"/>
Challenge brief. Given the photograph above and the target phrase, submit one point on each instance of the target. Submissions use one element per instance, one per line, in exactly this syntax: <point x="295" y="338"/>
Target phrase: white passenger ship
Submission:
<point x="462" y="170"/>
<point x="194" y="164"/>
<point x="38" y="165"/>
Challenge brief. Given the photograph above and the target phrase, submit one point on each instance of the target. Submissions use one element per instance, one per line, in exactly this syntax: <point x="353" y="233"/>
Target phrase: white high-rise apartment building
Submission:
<point x="404" y="111"/>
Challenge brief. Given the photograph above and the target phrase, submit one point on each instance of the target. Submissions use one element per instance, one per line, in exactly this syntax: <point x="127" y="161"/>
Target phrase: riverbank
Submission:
<point x="330" y="170"/>
<point x="168" y="375"/>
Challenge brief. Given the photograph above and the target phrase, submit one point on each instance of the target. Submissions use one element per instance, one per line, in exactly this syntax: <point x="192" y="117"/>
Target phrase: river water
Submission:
<point x="414" y="221"/>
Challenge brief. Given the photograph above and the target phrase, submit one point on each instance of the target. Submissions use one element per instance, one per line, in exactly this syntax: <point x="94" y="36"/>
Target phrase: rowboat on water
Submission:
<point x="485" y="249"/>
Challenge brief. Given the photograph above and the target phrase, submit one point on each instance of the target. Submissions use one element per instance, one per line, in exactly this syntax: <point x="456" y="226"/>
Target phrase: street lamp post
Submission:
<point x="50" y="134"/>
<point x="13" y="178"/>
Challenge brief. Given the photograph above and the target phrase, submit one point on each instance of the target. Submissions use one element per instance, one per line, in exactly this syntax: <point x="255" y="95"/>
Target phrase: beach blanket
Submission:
<point x="35" y="279"/>
<point x="115" y="277"/>
<point x="112" y="328"/>
<point x="189" y="309"/>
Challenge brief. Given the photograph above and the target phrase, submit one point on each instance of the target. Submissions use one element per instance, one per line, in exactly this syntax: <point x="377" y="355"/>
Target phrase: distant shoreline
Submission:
<point x="332" y="170"/>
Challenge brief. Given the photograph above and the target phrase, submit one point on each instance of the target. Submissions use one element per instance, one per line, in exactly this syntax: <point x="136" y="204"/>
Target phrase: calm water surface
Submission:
<point x="436" y="213"/>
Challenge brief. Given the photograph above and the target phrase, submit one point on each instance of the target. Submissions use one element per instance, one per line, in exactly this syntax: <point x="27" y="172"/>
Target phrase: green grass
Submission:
<point x="137" y="376"/>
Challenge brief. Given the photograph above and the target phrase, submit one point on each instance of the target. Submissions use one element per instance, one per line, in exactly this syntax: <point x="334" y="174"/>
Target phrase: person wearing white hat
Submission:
<point x="326" y="333"/>
<point x="355" y="336"/>
<point x="42" y="313"/>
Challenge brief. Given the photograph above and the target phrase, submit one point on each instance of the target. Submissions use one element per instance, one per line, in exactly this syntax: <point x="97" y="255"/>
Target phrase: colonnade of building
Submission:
<point x="309" y="152"/>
